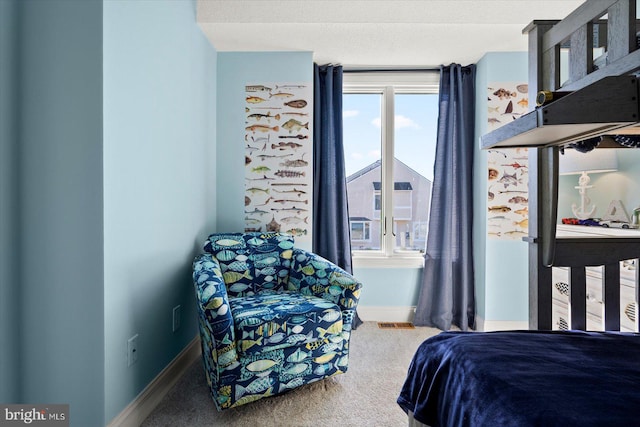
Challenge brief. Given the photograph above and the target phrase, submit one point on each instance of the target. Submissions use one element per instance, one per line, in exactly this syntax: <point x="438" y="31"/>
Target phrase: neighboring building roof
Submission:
<point x="364" y="170"/>
<point x="377" y="164"/>
<point x="396" y="186"/>
<point x="358" y="218"/>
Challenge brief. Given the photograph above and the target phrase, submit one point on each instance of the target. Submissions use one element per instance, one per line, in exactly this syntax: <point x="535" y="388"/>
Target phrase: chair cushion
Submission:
<point x="252" y="262"/>
<point x="272" y="320"/>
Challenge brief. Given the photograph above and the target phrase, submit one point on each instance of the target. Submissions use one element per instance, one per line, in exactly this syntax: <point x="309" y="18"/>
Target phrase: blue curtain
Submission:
<point x="331" y="234"/>
<point x="447" y="294"/>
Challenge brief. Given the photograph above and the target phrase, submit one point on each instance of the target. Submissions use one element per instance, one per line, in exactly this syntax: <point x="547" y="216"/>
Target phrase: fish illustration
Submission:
<point x="493" y="120"/>
<point x="268" y="116"/>
<point x="296" y="103"/>
<point x="260" y="169"/>
<point x="294" y="220"/>
<point x="233" y="276"/>
<point x="262" y="128"/>
<point x="508" y="180"/>
<point x="227" y="242"/>
<point x="256" y="211"/>
<point x="261" y="139"/>
<point x="276" y="338"/>
<point x="294" y="125"/>
<point x="524" y="103"/>
<point x="294" y="136"/>
<point x="285" y="145"/>
<point x="290" y="87"/>
<point x="294" y="113"/>
<point x="261" y="365"/>
<point x="325" y="358"/>
<point x="294" y="191"/>
<point x="332" y="315"/>
<point x="296" y="382"/>
<point x="273" y="225"/>
<point x="255" y="99"/>
<point x="257" y="88"/>
<point x="524" y="223"/>
<point x="280" y="95"/>
<point x="493" y="109"/>
<point x="289" y="183"/>
<point x="296" y="369"/>
<point x="523" y="88"/>
<point x="283" y="201"/>
<point x="295" y="163"/>
<point x="289" y="174"/>
<point x="518" y="199"/>
<point x="292" y="209"/>
<point x="515" y="165"/>
<point x="258" y="190"/>
<point x="500" y="208"/>
<point x="297" y="231"/>
<point x="523" y="211"/>
<point x="251" y="221"/>
<point x="264" y="178"/>
<point x="251" y="148"/>
<point x="504" y="93"/>
<point x="509" y="108"/>
<point x="257" y="386"/>
<point x="238" y="287"/>
<point x="516" y="233"/>
<point x="272" y="156"/>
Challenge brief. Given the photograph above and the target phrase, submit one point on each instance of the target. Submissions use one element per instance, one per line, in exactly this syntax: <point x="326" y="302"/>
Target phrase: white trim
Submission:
<point x="386" y="314"/>
<point x="140" y="408"/>
<point x="362" y="259"/>
<point x="498" y="325"/>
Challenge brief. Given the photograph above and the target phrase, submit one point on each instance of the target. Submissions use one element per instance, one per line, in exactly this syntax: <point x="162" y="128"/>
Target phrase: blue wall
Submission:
<point x="389" y="287"/>
<point x="107" y="191"/>
<point x="501" y="267"/>
<point x="60" y="245"/>
<point x="621" y="185"/>
<point x="9" y="300"/>
<point x="159" y="183"/>
<point x="235" y="70"/>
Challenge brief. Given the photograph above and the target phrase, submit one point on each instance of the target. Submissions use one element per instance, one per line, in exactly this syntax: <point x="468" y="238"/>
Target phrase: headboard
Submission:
<point x="607" y="82"/>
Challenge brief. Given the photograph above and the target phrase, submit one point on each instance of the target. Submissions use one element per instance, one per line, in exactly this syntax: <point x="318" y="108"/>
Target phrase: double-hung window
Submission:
<point x="389" y="122"/>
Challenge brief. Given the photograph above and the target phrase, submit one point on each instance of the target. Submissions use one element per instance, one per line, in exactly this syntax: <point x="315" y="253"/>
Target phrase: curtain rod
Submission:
<point x="390" y="70"/>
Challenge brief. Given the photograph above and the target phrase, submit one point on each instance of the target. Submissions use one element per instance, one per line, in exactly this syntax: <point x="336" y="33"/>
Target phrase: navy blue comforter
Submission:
<point x="525" y="378"/>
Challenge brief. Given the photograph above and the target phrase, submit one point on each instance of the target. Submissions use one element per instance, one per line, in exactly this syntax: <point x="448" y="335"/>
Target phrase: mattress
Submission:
<point x="525" y="378"/>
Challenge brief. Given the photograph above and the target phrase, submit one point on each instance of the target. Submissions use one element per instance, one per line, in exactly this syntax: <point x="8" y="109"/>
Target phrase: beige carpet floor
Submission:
<point x="364" y="396"/>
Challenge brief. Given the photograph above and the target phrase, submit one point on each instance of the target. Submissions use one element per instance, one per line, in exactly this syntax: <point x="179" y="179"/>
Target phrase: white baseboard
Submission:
<point x="500" y="325"/>
<point x="386" y="314"/>
<point x="136" y="412"/>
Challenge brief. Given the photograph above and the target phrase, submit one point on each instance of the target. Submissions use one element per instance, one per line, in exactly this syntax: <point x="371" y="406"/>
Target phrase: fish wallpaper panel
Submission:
<point x="508" y="169"/>
<point x="279" y="158"/>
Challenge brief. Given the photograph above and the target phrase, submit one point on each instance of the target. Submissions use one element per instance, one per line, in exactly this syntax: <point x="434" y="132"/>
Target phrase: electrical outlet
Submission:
<point x="132" y="350"/>
<point x="177" y="311"/>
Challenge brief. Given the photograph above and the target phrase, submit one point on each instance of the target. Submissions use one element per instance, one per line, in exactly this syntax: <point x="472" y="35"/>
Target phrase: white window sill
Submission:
<point x="407" y="260"/>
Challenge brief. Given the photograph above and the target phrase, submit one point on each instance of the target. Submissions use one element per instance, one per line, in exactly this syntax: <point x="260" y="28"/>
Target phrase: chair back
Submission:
<point x="252" y="262"/>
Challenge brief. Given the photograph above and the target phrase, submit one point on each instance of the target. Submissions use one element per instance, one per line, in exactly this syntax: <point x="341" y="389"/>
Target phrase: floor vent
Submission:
<point x="395" y="325"/>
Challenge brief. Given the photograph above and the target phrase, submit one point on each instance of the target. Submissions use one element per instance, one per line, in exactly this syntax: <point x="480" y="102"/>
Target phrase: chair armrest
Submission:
<point x="214" y="310"/>
<point x="311" y="274"/>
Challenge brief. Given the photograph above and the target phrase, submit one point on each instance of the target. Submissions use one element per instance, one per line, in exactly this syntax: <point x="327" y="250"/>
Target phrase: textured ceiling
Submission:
<point x="366" y="33"/>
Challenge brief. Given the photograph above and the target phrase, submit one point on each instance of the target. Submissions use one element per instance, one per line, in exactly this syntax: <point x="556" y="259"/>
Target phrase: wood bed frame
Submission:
<point x="546" y="248"/>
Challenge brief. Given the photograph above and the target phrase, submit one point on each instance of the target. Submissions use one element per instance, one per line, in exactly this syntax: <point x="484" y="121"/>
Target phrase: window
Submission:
<point x="360" y="230"/>
<point x="390" y="122"/>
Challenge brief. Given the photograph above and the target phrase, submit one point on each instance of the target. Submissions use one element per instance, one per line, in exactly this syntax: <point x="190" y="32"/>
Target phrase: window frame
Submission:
<point x="388" y="84"/>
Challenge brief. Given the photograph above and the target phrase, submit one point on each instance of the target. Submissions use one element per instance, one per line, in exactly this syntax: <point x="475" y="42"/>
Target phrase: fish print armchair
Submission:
<point x="272" y="317"/>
